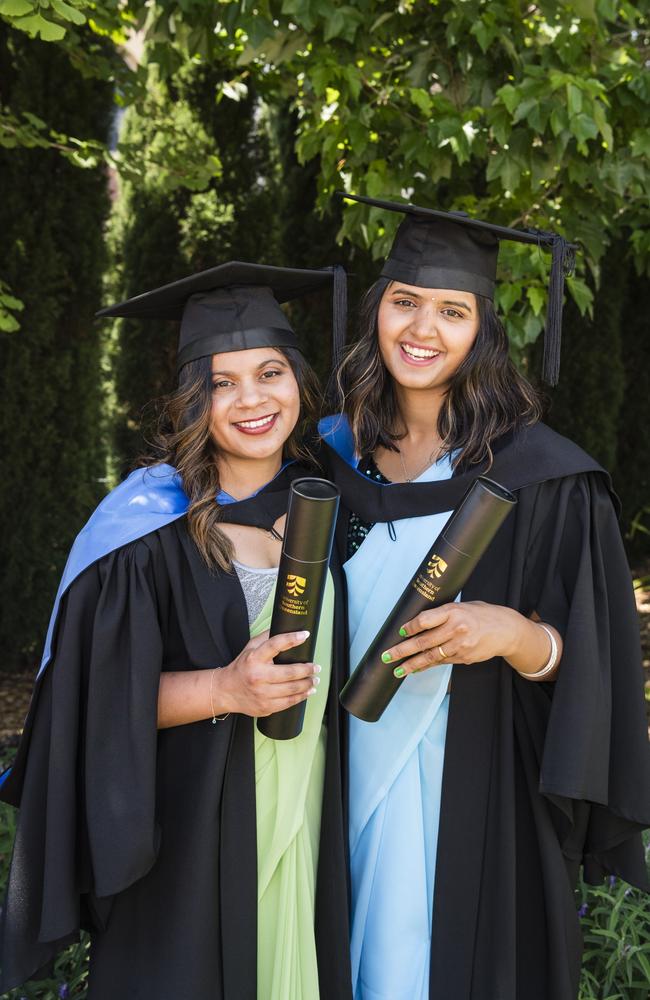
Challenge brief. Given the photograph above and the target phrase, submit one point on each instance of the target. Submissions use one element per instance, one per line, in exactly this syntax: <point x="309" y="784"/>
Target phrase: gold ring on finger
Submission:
<point x="443" y="655"/>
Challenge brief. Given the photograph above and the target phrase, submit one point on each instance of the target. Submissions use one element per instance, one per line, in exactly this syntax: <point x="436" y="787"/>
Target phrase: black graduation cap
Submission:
<point x="451" y="250"/>
<point x="236" y="306"/>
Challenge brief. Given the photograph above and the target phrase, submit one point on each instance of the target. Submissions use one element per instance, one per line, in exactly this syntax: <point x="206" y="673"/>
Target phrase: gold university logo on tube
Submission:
<point x="436" y="567"/>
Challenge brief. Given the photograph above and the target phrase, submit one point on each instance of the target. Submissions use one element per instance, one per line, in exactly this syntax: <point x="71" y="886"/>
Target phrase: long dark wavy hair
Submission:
<point x="183" y="439"/>
<point x="487" y="396"/>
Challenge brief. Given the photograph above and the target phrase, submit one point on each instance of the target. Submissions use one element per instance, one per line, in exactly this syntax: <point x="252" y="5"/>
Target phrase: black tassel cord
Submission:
<point x="339" y="314"/>
<point x="562" y="265"/>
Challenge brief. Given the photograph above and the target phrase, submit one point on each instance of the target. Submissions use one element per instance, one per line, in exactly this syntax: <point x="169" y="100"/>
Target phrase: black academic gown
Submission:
<point x="538" y="778"/>
<point x="148" y="838"/>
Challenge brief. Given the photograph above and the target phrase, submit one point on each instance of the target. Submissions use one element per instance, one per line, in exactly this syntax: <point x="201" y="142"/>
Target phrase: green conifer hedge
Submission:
<point x="51" y="219"/>
<point x="632" y="476"/>
<point x="586" y="404"/>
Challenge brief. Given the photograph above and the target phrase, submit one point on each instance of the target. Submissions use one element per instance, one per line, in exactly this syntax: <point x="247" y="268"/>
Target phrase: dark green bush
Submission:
<point x="51" y="385"/>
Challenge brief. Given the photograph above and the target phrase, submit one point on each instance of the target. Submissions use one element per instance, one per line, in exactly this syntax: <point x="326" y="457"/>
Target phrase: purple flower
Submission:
<point x="583" y="911"/>
<point x="612" y="880"/>
<point x="64" y="991"/>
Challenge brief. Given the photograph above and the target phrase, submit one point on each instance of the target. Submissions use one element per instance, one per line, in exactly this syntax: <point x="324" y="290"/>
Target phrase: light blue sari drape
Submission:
<point x="395" y="778"/>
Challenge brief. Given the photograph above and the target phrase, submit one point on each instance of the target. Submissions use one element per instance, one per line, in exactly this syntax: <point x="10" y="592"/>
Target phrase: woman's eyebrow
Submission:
<point x="273" y="361"/>
<point x="405" y="291"/>
<point x="460" y="305"/>
<point x="269" y="361"/>
<point x="417" y="295"/>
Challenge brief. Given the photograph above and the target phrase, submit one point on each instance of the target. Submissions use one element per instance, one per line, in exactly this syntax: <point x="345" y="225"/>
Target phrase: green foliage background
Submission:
<point x="241" y="120"/>
<point x="51" y="378"/>
<point x="163" y="229"/>
<point x="242" y="116"/>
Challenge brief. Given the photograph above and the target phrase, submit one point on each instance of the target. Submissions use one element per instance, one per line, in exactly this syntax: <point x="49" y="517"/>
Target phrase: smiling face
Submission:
<point x="425" y="333"/>
<point x="255" y="403"/>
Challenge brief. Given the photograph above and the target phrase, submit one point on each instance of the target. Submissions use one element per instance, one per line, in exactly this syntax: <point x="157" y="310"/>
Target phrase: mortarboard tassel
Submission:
<point x="339" y="313"/>
<point x="562" y="263"/>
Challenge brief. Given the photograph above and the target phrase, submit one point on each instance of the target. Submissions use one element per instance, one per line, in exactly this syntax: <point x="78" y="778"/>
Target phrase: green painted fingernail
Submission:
<point x="399" y="671"/>
<point x="386" y="657"/>
<point x="403" y="631"/>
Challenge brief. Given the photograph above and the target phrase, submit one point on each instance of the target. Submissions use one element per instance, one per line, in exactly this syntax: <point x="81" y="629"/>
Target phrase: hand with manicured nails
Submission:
<point x="251" y="685"/>
<point x="254" y="685"/>
<point x="471" y="632"/>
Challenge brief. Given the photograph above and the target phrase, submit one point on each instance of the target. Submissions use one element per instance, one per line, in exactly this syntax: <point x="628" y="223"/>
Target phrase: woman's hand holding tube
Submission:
<point x="470" y="632"/>
<point x="251" y="685"/>
<point x="254" y="685"/>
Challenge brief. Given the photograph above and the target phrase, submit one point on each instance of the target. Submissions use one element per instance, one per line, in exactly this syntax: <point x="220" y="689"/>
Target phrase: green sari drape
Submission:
<point x="289" y="789"/>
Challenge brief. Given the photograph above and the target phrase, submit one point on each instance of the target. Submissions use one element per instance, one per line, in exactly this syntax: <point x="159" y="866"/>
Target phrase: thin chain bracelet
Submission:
<point x="216" y="718"/>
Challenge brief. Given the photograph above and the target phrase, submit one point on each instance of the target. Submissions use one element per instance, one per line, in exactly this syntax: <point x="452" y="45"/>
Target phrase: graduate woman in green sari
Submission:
<point x="206" y="860"/>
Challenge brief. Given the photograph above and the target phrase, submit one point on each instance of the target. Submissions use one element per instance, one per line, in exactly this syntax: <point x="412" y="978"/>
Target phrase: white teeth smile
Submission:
<point x="419" y="352"/>
<point x="263" y="422"/>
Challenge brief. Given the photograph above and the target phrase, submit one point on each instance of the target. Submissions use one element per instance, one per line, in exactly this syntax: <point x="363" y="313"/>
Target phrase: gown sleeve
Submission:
<point x="594" y="759"/>
<point x="84" y="776"/>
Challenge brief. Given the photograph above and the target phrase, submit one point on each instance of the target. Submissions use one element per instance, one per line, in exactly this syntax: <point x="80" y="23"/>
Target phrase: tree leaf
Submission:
<point x="500" y="124"/>
<point x="300" y="12"/>
<point x="510" y="173"/>
<point x="507" y="294"/>
<point x="16" y="8"/>
<point x="586" y="9"/>
<point x="574" y="98"/>
<point x="34" y="120"/>
<point x="583" y="127"/>
<point x="482" y="34"/>
<point x="640" y="142"/>
<point x="37" y="25"/>
<point x="524" y="109"/>
<point x="440" y="167"/>
<point x="494" y="166"/>
<point x="353" y="79"/>
<point x="559" y="120"/>
<point x="381" y="20"/>
<point x="8" y="323"/>
<point x="320" y="78"/>
<point x="376" y="179"/>
<point x="67" y="12"/>
<point x="11" y="302"/>
<point x="581" y="294"/>
<point x="421" y="99"/>
<point x="335" y="25"/>
<point x="510" y="96"/>
<point x="532" y="328"/>
<point x="537" y="297"/>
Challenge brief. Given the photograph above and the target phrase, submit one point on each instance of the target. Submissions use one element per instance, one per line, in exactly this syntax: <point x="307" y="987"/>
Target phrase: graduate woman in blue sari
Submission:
<point x="515" y="748"/>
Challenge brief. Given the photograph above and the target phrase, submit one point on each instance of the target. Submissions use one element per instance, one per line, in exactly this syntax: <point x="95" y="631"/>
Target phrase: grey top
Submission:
<point x="257" y="584"/>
